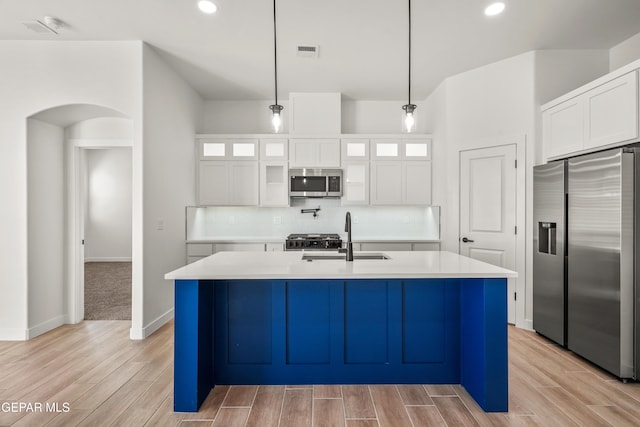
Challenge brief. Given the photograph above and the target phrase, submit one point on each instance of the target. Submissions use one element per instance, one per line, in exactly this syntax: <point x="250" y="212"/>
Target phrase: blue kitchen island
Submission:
<point x="274" y="318"/>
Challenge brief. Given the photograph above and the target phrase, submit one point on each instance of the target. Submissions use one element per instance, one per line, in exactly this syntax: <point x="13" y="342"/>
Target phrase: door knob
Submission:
<point x="465" y="240"/>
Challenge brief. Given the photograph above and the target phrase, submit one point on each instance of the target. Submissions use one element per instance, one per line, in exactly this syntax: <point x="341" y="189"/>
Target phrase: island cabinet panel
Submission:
<point x="424" y="322"/>
<point x="248" y="323"/>
<point x="308" y="322"/>
<point x="366" y="318"/>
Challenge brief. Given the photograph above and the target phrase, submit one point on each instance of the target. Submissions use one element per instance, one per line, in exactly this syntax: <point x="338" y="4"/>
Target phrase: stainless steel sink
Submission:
<point x="334" y="256"/>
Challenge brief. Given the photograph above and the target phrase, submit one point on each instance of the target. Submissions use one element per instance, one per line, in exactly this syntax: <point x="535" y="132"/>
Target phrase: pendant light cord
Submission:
<point x="409" y="96"/>
<point x="275" y="52"/>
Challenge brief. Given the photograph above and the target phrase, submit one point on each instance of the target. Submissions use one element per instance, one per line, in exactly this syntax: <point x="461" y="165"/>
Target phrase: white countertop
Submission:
<point x="289" y="265"/>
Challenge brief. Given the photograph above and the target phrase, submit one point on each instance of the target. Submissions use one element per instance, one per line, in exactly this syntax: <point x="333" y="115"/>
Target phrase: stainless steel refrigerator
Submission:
<point x="594" y="300"/>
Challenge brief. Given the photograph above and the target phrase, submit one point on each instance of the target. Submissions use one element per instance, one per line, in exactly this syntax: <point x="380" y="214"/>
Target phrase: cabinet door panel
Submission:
<point x="355" y="149"/>
<point x="417" y="183"/>
<point x="386" y="183"/>
<point x="213" y="183"/>
<point x="366" y="322"/>
<point x="274" y="187"/>
<point x="386" y="149"/>
<point x="356" y="183"/>
<point x="328" y="153"/>
<point x="308" y="321"/>
<point x="243" y="187"/>
<point x="612" y="112"/>
<point x="564" y="127"/>
<point x="303" y="152"/>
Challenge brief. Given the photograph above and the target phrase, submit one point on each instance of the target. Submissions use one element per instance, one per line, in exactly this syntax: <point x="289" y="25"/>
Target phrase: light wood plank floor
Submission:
<point x="107" y="379"/>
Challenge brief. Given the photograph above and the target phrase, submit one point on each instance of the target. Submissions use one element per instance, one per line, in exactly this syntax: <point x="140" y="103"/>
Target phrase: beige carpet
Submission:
<point x="107" y="291"/>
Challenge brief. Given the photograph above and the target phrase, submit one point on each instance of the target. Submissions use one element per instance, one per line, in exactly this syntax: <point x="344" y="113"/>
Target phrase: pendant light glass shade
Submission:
<point x="409" y="108"/>
<point x="409" y="118"/>
<point x="276" y="118"/>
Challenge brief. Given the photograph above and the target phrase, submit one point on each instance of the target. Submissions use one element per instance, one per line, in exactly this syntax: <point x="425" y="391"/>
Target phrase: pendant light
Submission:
<point x="409" y="108"/>
<point x="276" y="120"/>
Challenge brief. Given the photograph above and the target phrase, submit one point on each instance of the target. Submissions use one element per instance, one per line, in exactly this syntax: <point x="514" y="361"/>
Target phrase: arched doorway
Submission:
<point x="57" y="140"/>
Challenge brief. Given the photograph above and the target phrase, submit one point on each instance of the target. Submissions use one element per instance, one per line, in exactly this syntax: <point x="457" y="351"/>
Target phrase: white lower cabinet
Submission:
<point x="238" y="247"/>
<point x="426" y="246"/>
<point x="274" y="247"/>
<point x="198" y="251"/>
<point x="386" y="246"/>
<point x="225" y="183"/>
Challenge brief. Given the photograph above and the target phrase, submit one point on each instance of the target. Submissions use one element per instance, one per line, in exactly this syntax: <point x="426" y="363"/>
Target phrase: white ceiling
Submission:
<point x="363" y="43"/>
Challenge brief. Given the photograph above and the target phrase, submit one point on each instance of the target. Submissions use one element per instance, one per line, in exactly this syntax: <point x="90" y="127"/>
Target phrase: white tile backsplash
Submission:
<point x="368" y="222"/>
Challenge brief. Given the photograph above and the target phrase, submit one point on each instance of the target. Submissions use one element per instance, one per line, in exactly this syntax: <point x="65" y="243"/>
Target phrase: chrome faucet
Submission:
<point x="347" y="228"/>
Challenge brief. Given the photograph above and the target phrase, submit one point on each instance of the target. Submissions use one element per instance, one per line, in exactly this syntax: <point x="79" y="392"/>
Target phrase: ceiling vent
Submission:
<point x="308" y="51"/>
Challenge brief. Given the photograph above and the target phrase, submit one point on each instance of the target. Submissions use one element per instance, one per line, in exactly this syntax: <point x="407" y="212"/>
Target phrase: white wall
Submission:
<point x="379" y="117"/>
<point x="625" y="52"/>
<point x="357" y="116"/>
<point x="172" y="111"/>
<point x="104" y="129"/>
<point x="496" y="104"/>
<point x="240" y="116"/>
<point x="38" y="75"/>
<point x="108" y="207"/>
<point x="45" y="187"/>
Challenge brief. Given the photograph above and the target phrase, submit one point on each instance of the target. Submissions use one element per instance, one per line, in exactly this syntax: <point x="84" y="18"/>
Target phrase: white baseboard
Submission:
<point x="45" y="326"/>
<point x="107" y="259"/>
<point x="142" y="333"/>
<point x="14" y="334"/>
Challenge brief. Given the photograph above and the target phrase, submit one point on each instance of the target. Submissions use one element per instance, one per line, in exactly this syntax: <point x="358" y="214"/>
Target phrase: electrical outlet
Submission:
<point x="160" y="224"/>
<point x="277" y="220"/>
<point x="356" y="219"/>
<point x="232" y="219"/>
<point x="405" y="219"/>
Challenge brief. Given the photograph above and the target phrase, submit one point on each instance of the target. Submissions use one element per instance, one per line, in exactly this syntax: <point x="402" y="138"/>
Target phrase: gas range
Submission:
<point x="298" y="242"/>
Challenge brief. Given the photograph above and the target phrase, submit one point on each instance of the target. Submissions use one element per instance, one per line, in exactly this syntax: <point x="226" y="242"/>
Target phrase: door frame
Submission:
<point x="76" y="205"/>
<point x="520" y="142"/>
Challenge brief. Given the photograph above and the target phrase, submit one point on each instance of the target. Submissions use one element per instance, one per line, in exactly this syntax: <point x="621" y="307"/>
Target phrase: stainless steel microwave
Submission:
<point x="310" y="182"/>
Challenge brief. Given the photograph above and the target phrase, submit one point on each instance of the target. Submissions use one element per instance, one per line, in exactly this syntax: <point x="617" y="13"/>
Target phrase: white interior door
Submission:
<point x="488" y="209"/>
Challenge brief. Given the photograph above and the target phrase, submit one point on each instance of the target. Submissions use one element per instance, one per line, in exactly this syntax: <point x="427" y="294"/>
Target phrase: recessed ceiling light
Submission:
<point x="494" y="9"/>
<point x="207" y="6"/>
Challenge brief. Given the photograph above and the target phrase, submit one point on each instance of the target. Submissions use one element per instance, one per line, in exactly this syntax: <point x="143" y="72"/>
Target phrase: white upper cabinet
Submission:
<point x="612" y="112"/>
<point x="386" y="183"/>
<point x="400" y="149"/>
<point x="274" y="149"/>
<point x="228" y="149"/>
<point x="416" y="180"/>
<point x="314" y="152"/>
<point x="355" y="149"/>
<point x="356" y="183"/>
<point x="416" y="149"/>
<point x="315" y="113"/>
<point x="600" y="115"/>
<point x="213" y="183"/>
<point x="230" y="183"/>
<point x="563" y="129"/>
<point x="274" y="187"/>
